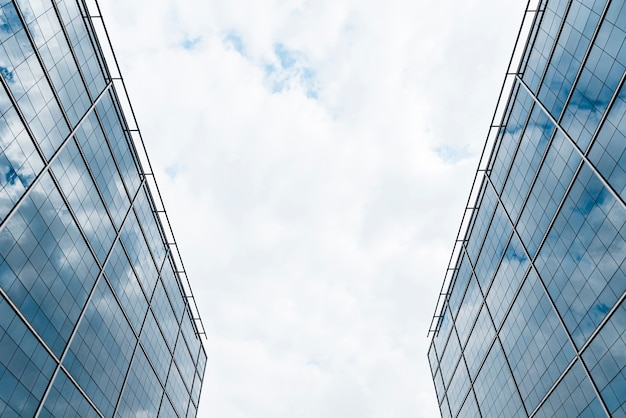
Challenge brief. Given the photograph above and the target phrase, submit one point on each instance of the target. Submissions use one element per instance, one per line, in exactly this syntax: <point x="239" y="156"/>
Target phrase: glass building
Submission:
<point x="531" y="320"/>
<point x="96" y="314"/>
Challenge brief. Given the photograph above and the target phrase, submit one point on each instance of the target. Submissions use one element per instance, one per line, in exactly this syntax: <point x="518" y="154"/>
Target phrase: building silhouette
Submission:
<point x="531" y="320"/>
<point x="96" y="314"/>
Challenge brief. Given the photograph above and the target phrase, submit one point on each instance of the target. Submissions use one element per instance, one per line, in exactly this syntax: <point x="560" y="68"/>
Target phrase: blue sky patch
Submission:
<point x="233" y="40"/>
<point x="290" y="70"/>
<point x="191" y="43"/>
<point x="452" y="155"/>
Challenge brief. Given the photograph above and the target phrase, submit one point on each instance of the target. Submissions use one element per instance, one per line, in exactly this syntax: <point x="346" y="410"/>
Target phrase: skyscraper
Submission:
<point x="531" y="321"/>
<point x="96" y="314"/>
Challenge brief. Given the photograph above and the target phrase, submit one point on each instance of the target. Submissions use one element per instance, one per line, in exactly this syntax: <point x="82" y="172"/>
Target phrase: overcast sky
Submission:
<point x="315" y="157"/>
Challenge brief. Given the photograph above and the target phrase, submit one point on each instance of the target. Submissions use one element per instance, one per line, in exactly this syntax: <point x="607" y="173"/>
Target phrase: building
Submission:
<point x="96" y="314"/>
<point x="531" y="320"/>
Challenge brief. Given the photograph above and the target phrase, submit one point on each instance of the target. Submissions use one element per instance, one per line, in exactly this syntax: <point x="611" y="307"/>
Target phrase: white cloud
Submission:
<point x="315" y="228"/>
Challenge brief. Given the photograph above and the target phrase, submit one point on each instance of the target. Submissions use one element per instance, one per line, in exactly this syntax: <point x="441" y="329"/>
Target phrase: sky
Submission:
<point x="315" y="158"/>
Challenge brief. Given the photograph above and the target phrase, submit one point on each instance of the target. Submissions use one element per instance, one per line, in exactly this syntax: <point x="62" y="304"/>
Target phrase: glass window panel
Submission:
<point x="508" y="278"/>
<point x="47" y="269"/>
<point x="64" y="400"/>
<point x="495" y="387"/>
<point x="573" y="397"/>
<point x="583" y="261"/>
<point x="142" y="391"/>
<point x="100" y="353"/>
<point x="605" y="358"/>
<point x="535" y="343"/>
<point x="554" y="177"/>
<point x="25" y="366"/>
<point x="537" y="135"/>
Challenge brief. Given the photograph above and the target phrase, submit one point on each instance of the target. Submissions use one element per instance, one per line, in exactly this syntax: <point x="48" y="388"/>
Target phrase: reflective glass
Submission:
<point x="46" y="267"/>
<point x="142" y="391"/>
<point x="25" y="366"/>
<point x="573" y="397"/>
<point x="605" y="358"/>
<point x="583" y="261"/>
<point x="100" y="368"/>
<point x="495" y="388"/>
<point x="64" y="400"/>
<point x="535" y="343"/>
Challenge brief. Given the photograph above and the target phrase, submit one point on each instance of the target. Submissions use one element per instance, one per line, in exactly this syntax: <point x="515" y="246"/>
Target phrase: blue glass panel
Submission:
<point x="47" y="268"/>
<point x="440" y="388"/>
<point x="582" y="261"/>
<point x="495" y="387"/>
<point x="26" y="80"/>
<point x="77" y="185"/>
<point x="25" y="366"/>
<point x="119" y="140"/>
<point x="176" y="391"/>
<point x="138" y="253"/>
<point x="550" y="22"/>
<point x="480" y="220"/>
<point x="101" y="350"/>
<point x="445" y="327"/>
<point x="608" y="152"/>
<point x="19" y="161"/>
<point x="493" y="249"/>
<point x="479" y="342"/>
<point x="578" y="28"/>
<point x="174" y="292"/>
<point x="164" y="315"/>
<point x="469" y="310"/>
<point x="147" y="218"/>
<point x="125" y="285"/>
<point x="470" y="407"/>
<point x="537" y="134"/>
<point x="50" y="41"/>
<point x="154" y="345"/>
<point x="508" y="278"/>
<point x="599" y="79"/>
<point x="167" y="410"/>
<point x="535" y="343"/>
<point x="450" y="358"/>
<point x="459" y="283"/>
<point x="64" y="400"/>
<point x="605" y="358"/>
<point x="554" y="177"/>
<point x="100" y="160"/>
<point x="142" y="391"/>
<point x="573" y="397"/>
<point x="185" y="362"/>
<point x="509" y="139"/>
<point x="457" y="391"/>
<point x="78" y="32"/>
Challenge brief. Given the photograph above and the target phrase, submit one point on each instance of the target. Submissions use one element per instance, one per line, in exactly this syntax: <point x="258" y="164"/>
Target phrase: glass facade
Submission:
<point x="96" y="315"/>
<point x="531" y="320"/>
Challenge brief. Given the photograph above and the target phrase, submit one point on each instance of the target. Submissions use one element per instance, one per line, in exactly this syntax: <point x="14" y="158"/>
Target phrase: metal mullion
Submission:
<point x="77" y="325"/>
<point x="547" y="294"/>
<point x="52" y="158"/>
